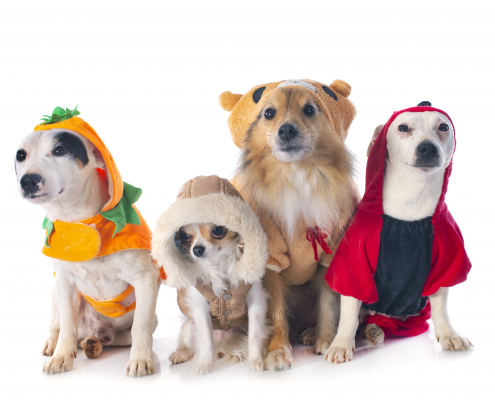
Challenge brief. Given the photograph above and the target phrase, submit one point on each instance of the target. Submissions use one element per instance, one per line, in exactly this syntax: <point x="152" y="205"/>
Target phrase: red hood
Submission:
<point x="372" y="201"/>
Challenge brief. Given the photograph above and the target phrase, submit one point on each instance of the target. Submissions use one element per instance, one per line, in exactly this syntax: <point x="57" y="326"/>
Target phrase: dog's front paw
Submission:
<point x="454" y="342"/>
<point x="141" y="366"/>
<point x="322" y="344"/>
<point x="256" y="364"/>
<point x="59" y="363"/>
<point x="308" y="336"/>
<point x="341" y="351"/>
<point x="49" y="346"/>
<point x="279" y="360"/>
<point x="203" y="368"/>
<point x="181" y="356"/>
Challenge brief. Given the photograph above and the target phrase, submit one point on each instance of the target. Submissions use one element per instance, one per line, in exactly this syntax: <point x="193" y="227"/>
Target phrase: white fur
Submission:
<point x="196" y="337"/>
<point x="75" y="193"/>
<point x="409" y="193"/>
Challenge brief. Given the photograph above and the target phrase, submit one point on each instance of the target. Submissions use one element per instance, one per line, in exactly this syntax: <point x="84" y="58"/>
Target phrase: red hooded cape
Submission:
<point x="353" y="268"/>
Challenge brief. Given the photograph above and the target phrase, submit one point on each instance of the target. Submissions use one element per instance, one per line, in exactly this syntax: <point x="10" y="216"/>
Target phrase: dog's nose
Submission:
<point x="287" y="132"/>
<point x="427" y="151"/>
<point x="198" y="251"/>
<point x="29" y="183"/>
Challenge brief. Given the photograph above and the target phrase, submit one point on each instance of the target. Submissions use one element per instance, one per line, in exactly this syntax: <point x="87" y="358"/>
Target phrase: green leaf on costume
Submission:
<point x="47" y="224"/>
<point x="123" y="213"/>
<point x="58" y="115"/>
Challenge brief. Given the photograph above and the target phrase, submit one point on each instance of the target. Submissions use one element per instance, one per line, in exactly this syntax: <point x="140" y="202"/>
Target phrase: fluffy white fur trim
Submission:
<point x="220" y="209"/>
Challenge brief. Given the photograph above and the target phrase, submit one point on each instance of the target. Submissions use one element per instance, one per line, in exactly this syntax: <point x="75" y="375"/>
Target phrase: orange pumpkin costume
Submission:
<point x="119" y="226"/>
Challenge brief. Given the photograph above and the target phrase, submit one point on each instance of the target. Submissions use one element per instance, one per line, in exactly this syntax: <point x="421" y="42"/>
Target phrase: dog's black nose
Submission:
<point x="198" y="251"/>
<point x="287" y="132"/>
<point x="427" y="151"/>
<point x="29" y="183"/>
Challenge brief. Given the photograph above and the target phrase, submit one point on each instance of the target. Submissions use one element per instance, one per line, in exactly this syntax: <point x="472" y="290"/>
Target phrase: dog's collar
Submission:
<point x="108" y="232"/>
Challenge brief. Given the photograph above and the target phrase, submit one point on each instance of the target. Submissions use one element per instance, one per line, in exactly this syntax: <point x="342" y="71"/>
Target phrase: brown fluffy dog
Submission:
<point x="296" y="174"/>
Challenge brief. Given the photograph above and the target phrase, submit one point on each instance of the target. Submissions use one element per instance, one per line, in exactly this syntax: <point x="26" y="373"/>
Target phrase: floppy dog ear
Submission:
<point x="377" y="131"/>
<point x="228" y="100"/>
<point x="341" y="87"/>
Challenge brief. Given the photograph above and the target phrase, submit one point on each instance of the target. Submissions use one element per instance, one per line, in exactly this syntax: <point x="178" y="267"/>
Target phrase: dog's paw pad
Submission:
<point x="338" y="354"/>
<point x="140" y="367"/>
<point x="279" y="360"/>
<point x="92" y="347"/>
<point x="374" y="334"/>
<point x="322" y="345"/>
<point x="181" y="356"/>
<point x="308" y="336"/>
<point x="455" y="343"/>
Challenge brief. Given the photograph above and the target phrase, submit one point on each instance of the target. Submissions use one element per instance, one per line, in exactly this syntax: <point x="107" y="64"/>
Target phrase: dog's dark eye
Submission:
<point x="185" y="236"/>
<point x="21" y="155"/>
<point x="218" y="230"/>
<point x="60" y="151"/>
<point x="309" y="111"/>
<point x="443" y="127"/>
<point x="269" y="113"/>
<point x="403" y="128"/>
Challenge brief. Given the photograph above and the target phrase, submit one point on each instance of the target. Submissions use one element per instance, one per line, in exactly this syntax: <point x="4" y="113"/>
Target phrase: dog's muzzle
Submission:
<point x="427" y="155"/>
<point x="29" y="184"/>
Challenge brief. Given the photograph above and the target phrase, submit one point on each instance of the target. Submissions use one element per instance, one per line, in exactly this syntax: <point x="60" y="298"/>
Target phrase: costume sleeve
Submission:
<point x="351" y="272"/>
<point x="277" y="247"/>
<point x="450" y="263"/>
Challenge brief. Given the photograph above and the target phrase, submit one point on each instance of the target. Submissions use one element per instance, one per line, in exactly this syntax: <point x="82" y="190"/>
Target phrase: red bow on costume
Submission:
<point x="316" y="234"/>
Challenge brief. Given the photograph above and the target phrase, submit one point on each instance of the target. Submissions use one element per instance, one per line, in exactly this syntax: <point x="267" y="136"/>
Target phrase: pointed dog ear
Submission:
<point x="377" y="131"/>
<point x="341" y="87"/>
<point x="228" y="100"/>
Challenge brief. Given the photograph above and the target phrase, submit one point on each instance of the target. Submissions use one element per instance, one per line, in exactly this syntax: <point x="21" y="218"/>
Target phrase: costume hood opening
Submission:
<point x="67" y="119"/>
<point x="209" y="199"/>
<point x="372" y="201"/>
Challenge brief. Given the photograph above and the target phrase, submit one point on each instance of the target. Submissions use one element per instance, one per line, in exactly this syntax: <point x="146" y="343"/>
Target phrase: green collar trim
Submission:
<point x="124" y="213"/>
<point x="58" y="115"/>
<point x="121" y="215"/>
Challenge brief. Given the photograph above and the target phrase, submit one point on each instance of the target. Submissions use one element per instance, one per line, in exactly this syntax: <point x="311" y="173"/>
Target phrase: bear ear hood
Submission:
<point x="67" y="119"/>
<point x="209" y="199"/>
<point x="372" y="201"/>
<point x="332" y="99"/>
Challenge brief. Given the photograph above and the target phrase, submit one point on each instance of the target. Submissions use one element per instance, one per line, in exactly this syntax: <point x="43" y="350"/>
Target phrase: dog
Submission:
<point x="419" y="149"/>
<point x="59" y="169"/>
<point x="297" y="174"/>
<point x="217" y="265"/>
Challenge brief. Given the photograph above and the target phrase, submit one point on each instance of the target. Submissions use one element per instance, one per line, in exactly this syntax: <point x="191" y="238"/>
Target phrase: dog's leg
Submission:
<point x="54" y="327"/>
<point x="328" y="313"/>
<point x="68" y="299"/>
<point x="91" y="345"/>
<point x="204" y="350"/>
<point x="141" y="362"/>
<point x="184" y="351"/>
<point x="279" y="357"/>
<point x="257" y="306"/>
<point x="342" y="347"/>
<point x="445" y="333"/>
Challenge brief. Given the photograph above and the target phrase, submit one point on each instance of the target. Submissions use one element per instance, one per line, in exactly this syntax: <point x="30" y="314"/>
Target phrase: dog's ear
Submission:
<point x="341" y="87"/>
<point x="100" y="161"/>
<point x="377" y="131"/>
<point x="228" y="100"/>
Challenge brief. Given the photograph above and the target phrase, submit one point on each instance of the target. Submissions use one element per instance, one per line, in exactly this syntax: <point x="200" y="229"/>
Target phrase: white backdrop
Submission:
<point x="147" y="75"/>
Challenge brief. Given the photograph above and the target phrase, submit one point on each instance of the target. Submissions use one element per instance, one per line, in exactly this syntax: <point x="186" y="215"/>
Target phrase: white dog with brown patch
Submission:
<point x="105" y="287"/>
<point x="403" y="249"/>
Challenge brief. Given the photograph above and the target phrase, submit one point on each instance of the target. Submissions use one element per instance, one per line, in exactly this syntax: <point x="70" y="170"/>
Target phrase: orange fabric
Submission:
<point x="111" y="308"/>
<point x="83" y="128"/>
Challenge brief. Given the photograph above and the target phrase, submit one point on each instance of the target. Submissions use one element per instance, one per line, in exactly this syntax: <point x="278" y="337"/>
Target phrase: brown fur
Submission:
<point x="91" y="346"/>
<point x="206" y="232"/>
<point x="262" y="178"/>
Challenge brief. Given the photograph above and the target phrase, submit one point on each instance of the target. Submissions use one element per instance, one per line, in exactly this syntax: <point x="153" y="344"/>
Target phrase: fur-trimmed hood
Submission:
<point x="209" y="199"/>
